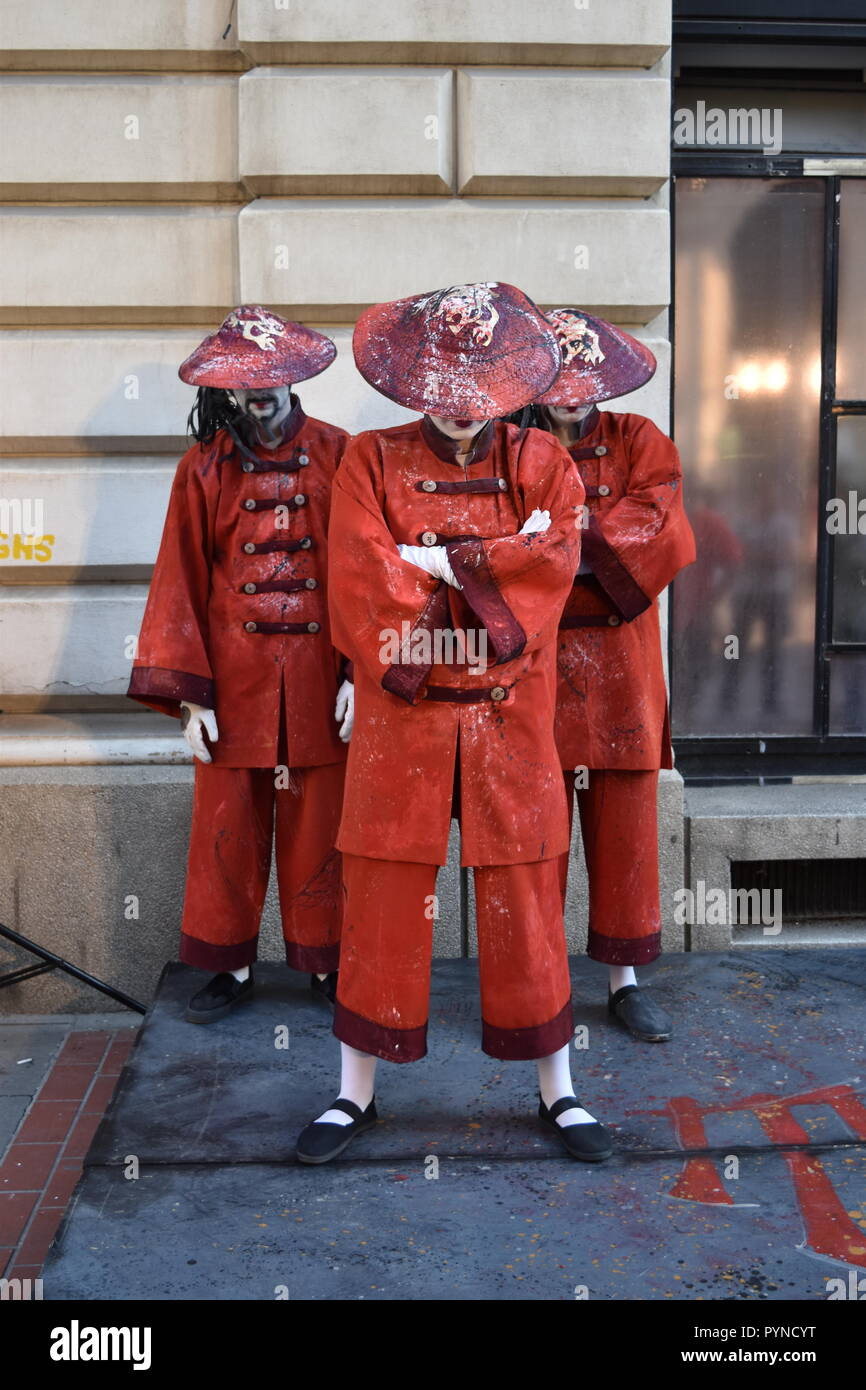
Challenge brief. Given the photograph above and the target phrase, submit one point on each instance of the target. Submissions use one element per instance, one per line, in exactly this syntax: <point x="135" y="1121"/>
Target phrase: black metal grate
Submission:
<point x="812" y="889"/>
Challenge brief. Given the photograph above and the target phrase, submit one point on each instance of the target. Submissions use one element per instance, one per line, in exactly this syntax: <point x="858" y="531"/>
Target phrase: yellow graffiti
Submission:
<point x="26" y="547"/>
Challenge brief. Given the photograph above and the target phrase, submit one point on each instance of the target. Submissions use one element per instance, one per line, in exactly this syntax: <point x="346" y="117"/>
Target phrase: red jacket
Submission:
<point x="404" y="485"/>
<point x="237" y="615"/>
<point x="612" y="708"/>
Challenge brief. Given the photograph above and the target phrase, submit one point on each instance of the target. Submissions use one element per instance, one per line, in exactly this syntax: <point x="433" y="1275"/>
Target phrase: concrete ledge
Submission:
<point x="85" y="34"/>
<point x="102" y="264"/>
<point x="83" y="847"/>
<point x="75" y="641"/>
<point x="302" y="255"/>
<point x="117" y="391"/>
<point x="815" y="821"/>
<point x="613" y="33"/>
<point x="347" y="131"/>
<point x="101" y="139"/>
<point x="546" y="133"/>
<point x="96" y="519"/>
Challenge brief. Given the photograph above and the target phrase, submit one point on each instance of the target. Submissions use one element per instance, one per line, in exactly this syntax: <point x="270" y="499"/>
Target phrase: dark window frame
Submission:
<point x="706" y="759"/>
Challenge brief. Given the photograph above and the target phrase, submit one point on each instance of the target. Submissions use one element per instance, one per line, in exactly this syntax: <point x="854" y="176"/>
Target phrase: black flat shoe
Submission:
<point x="324" y="991"/>
<point x="323" y="1140"/>
<point x="637" y="1012"/>
<point x="218" y="998"/>
<point x="591" y="1143"/>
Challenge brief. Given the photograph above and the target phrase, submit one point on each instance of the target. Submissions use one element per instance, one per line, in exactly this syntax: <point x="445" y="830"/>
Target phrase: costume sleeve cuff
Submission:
<point x="164" y="690"/>
<point x="406" y="677"/>
<point x="611" y="573"/>
<point x="480" y="590"/>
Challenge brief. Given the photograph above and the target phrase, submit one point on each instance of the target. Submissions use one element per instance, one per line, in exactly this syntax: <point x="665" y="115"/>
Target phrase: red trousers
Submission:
<point x="619" y="826"/>
<point x="236" y="811"/>
<point x="383" y="993"/>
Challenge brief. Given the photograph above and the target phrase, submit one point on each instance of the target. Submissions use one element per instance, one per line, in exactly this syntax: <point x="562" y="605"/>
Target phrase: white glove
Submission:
<point x="194" y="719"/>
<point x="433" y="559"/>
<point x="344" y="710"/>
<point x="539" y="521"/>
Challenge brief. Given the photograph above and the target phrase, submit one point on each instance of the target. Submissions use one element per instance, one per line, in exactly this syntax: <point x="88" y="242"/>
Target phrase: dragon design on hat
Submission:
<point x="465" y="307"/>
<point x="257" y="327"/>
<point x="576" y="338"/>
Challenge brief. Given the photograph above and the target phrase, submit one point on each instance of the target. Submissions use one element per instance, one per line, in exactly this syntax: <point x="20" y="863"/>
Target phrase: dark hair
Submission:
<point x="529" y="416"/>
<point x="213" y="411"/>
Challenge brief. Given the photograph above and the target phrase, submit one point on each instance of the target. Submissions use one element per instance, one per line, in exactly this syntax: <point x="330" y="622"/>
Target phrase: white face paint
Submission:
<point x="567" y="414"/>
<point x="267" y="407"/>
<point x="460" y="429"/>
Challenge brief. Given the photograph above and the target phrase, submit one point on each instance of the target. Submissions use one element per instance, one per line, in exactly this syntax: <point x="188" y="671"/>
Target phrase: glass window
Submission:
<point x="851" y="331"/>
<point x="848" y="693"/>
<point x="749" y="260"/>
<point x="847" y="526"/>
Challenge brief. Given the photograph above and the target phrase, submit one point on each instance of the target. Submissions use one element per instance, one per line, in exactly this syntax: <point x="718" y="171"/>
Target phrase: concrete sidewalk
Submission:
<point x="740" y="1171"/>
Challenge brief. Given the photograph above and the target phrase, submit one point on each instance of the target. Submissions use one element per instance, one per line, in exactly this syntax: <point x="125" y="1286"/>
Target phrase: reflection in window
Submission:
<point x="748" y="376"/>
<point x="844" y="521"/>
<point x="851" y="331"/>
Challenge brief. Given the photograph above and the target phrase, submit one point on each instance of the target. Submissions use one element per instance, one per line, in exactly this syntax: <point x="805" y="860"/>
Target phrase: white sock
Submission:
<point x="357" y="1077"/>
<point x="241" y="974"/>
<point x="619" y="976"/>
<point x="554" y="1082"/>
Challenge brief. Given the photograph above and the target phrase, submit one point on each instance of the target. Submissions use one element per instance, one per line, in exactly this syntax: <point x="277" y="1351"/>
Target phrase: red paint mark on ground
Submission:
<point x="829" y="1229"/>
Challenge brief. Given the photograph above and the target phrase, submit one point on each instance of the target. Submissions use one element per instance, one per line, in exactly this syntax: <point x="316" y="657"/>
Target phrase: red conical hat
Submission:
<point x="599" y="361"/>
<point x="470" y="351"/>
<point x="254" y="347"/>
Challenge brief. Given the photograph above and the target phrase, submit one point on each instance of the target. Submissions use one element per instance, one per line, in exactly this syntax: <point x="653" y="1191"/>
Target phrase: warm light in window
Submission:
<point x="776" y="376"/>
<point x="749" y="377"/>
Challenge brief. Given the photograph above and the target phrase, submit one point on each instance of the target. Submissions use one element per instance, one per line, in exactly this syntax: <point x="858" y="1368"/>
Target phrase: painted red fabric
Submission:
<point x="237" y="814"/>
<point x="237" y="615"/>
<point x="619" y="829"/>
<point x="383" y="992"/>
<point x="387" y="614"/>
<point x="612" y="709"/>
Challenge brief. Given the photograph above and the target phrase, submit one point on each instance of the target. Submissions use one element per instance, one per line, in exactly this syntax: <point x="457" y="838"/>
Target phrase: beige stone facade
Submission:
<point x="158" y="167"/>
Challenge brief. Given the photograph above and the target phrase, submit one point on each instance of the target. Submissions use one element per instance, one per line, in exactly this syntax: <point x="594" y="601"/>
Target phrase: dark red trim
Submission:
<point x="472" y="570"/>
<point x="164" y="690"/>
<point x="405" y="679"/>
<point x="318" y="960"/>
<point x="392" y="1044"/>
<point x="526" y="1044"/>
<point x="280" y="586"/>
<point x="624" y="950"/>
<point x="588" y="620"/>
<point x="443" y="539"/>
<point x="270" y="628"/>
<point x="629" y="599"/>
<point x="471" y="485"/>
<point x="447" y="449"/>
<point x="462" y="695"/>
<point x="209" y="955"/>
<point x="268" y="547"/>
<point x="264" y="504"/>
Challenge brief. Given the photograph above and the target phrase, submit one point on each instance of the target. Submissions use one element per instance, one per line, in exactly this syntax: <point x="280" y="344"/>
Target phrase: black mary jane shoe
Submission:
<point x="219" y="997"/>
<point x="324" y="991"/>
<point x="591" y="1143"/>
<point x="323" y="1140"/>
<point x="640" y="1014"/>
